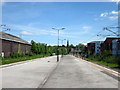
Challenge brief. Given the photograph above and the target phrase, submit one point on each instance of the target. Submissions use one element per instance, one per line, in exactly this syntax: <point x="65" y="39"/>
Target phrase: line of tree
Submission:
<point x="42" y="48"/>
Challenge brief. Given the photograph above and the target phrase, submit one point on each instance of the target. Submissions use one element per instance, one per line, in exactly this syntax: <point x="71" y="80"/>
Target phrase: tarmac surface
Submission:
<point x="29" y="74"/>
<point x="74" y="73"/>
<point x="70" y="72"/>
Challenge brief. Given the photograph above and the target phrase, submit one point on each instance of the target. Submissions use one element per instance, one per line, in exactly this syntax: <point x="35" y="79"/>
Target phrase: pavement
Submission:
<point x="75" y="73"/>
<point x="70" y="72"/>
<point x="29" y="74"/>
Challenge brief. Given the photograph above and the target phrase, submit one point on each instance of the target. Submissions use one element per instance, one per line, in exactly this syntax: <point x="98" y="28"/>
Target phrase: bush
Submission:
<point x="110" y="59"/>
<point x="16" y="55"/>
<point x="29" y="54"/>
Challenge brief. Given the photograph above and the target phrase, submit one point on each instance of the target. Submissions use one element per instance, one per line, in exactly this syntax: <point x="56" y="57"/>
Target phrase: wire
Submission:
<point x="93" y="36"/>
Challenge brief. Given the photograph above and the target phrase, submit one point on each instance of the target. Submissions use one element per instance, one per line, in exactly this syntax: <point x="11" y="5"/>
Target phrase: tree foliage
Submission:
<point x="42" y="48"/>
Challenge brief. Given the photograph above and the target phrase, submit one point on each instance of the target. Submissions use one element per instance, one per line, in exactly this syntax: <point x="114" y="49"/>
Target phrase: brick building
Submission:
<point x="107" y="45"/>
<point x="91" y="47"/>
<point x="10" y="44"/>
<point x="94" y="47"/>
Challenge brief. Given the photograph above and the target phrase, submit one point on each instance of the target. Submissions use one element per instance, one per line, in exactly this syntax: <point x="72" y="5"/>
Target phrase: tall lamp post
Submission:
<point x="58" y="42"/>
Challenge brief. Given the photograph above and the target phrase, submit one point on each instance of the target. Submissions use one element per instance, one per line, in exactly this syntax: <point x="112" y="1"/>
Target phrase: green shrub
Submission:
<point x="110" y="59"/>
<point x="29" y="54"/>
<point x="16" y="55"/>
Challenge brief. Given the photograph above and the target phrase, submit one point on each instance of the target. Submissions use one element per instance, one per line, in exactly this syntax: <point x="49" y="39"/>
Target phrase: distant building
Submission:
<point x="94" y="47"/>
<point x="91" y="47"/>
<point x="10" y="44"/>
<point x="115" y="47"/>
<point x="98" y="47"/>
<point x="111" y="43"/>
<point x="107" y="45"/>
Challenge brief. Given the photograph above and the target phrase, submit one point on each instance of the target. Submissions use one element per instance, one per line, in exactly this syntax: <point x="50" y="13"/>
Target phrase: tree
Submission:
<point x="67" y="43"/>
<point x="19" y="49"/>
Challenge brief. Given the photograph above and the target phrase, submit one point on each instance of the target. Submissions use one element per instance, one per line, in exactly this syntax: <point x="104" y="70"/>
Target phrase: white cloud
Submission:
<point x="86" y="27"/>
<point x="104" y="14"/>
<point x="113" y="15"/>
<point x="30" y="30"/>
<point x="109" y="13"/>
<point x="84" y="43"/>
<point x="117" y="1"/>
<point x="114" y="12"/>
<point x="26" y="33"/>
<point x="36" y="31"/>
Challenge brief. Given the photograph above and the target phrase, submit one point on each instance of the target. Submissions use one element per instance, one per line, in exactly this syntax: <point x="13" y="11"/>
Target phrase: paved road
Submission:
<point x="74" y="73"/>
<point x="27" y="75"/>
<point x="70" y="73"/>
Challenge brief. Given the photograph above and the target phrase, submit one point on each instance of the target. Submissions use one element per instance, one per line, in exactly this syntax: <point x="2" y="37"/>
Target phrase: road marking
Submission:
<point x="48" y="75"/>
<point x="103" y="68"/>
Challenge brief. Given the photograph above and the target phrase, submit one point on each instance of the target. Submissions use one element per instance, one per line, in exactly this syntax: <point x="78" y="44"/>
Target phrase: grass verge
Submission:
<point x="111" y="65"/>
<point x="19" y="59"/>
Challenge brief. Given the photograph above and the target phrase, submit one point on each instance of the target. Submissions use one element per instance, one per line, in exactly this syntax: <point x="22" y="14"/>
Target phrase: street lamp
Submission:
<point x="58" y="42"/>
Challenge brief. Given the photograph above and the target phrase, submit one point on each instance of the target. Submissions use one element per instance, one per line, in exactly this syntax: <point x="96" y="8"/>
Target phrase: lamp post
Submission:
<point x="58" y="42"/>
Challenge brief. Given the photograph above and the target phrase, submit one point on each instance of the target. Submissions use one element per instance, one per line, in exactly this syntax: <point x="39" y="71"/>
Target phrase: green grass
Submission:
<point x="111" y="65"/>
<point x="19" y="59"/>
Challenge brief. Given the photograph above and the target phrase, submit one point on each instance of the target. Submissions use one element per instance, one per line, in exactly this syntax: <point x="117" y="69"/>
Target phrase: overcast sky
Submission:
<point x="82" y="20"/>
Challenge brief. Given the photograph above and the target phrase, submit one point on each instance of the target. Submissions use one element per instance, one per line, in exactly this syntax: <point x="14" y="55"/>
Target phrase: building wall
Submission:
<point x="97" y="47"/>
<point x="14" y="47"/>
<point x="9" y="47"/>
<point x="6" y="47"/>
<point x="23" y="48"/>
<point x="107" y="45"/>
<point x="102" y="47"/>
<point x="91" y="47"/>
<point x="115" y="47"/>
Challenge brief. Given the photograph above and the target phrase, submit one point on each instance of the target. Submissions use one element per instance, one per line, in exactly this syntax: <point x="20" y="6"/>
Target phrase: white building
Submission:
<point x="98" y="47"/>
<point x="115" y="47"/>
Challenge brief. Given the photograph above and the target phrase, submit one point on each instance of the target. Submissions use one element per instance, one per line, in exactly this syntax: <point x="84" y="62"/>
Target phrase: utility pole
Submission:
<point x="58" y="42"/>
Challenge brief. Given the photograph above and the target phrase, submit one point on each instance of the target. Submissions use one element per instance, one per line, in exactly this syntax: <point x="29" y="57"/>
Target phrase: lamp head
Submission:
<point x="63" y="28"/>
<point x="53" y="28"/>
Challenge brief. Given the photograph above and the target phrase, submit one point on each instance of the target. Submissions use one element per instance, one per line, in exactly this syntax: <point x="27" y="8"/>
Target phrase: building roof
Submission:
<point x="96" y="41"/>
<point x="113" y="38"/>
<point x="109" y="39"/>
<point x="9" y="37"/>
